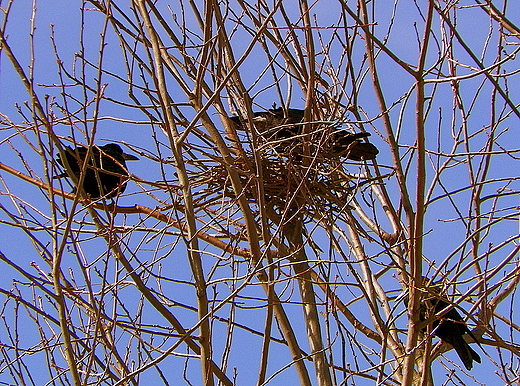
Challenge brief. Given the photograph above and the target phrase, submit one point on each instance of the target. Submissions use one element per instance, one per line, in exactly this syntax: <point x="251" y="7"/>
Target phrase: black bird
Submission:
<point x="106" y="172"/>
<point x="277" y="127"/>
<point x="348" y="144"/>
<point x="450" y="327"/>
<point x="268" y="123"/>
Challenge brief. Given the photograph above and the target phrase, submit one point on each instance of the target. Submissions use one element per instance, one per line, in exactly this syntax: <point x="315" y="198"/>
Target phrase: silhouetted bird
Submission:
<point x="348" y="144"/>
<point x="106" y="173"/>
<point x="273" y="125"/>
<point x="450" y="327"/>
<point x="280" y="129"/>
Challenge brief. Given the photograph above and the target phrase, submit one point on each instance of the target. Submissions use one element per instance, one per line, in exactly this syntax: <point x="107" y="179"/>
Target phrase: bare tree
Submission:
<point x="248" y="249"/>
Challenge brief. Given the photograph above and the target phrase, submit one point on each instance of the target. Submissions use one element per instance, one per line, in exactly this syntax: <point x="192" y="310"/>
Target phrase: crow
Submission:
<point x="280" y="128"/>
<point x="106" y="173"/>
<point x="450" y="328"/>
<point x="268" y="123"/>
<point x="347" y="144"/>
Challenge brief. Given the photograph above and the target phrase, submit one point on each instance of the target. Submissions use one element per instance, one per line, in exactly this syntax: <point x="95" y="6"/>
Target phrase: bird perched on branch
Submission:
<point x="283" y="130"/>
<point x="106" y="172"/>
<point x="449" y="326"/>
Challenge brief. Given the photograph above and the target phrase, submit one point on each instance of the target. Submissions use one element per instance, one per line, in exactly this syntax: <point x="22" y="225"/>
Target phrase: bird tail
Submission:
<point x="466" y="353"/>
<point x="363" y="150"/>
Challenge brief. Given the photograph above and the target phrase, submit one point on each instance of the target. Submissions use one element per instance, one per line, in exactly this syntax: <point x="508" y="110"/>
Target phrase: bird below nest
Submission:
<point x="449" y="326"/>
<point x="106" y="173"/>
<point x="285" y="132"/>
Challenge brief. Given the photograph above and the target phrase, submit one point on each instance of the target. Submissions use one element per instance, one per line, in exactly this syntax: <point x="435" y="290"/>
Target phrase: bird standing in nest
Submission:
<point x="106" y="173"/>
<point x="282" y="129"/>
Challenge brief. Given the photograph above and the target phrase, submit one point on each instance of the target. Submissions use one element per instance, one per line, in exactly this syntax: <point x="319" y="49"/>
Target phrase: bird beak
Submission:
<point x="129" y="157"/>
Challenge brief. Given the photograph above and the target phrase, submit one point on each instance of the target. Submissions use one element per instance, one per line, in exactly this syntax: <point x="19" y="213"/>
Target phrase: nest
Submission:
<point x="290" y="166"/>
<point x="283" y="185"/>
